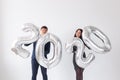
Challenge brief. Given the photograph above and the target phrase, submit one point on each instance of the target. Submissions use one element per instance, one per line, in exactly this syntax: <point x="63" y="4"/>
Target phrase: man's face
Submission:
<point x="43" y="31"/>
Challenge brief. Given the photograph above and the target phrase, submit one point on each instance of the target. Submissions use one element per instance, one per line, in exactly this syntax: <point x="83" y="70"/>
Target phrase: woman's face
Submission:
<point x="78" y="33"/>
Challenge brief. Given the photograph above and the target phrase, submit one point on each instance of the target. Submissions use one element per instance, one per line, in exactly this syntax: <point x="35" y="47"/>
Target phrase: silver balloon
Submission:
<point x="68" y="47"/>
<point x="57" y="53"/>
<point x="17" y="44"/>
<point x="87" y="31"/>
<point x="81" y="62"/>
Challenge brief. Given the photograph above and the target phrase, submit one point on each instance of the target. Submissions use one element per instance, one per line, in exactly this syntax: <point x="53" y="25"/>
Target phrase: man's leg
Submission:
<point x="35" y="67"/>
<point x="44" y="72"/>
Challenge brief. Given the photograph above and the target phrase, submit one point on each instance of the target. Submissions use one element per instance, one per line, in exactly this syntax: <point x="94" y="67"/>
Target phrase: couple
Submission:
<point x="35" y="64"/>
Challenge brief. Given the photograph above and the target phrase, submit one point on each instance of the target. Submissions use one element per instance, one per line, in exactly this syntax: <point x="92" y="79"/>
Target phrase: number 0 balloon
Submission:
<point x="40" y="50"/>
<point x="87" y="31"/>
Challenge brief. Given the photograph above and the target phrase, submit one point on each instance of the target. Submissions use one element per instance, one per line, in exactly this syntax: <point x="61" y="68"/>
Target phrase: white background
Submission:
<point x="62" y="17"/>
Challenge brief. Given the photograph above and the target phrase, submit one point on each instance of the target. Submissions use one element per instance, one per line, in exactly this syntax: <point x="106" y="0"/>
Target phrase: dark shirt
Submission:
<point x="46" y="49"/>
<point x="74" y="54"/>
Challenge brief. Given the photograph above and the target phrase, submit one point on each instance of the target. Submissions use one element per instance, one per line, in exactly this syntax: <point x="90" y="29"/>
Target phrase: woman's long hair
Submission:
<point x="81" y="33"/>
<point x="84" y="55"/>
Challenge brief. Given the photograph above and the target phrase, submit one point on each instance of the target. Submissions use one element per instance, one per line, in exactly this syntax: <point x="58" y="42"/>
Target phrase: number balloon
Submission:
<point x="87" y="31"/>
<point x="17" y="45"/>
<point x="81" y="62"/>
<point x="57" y="53"/>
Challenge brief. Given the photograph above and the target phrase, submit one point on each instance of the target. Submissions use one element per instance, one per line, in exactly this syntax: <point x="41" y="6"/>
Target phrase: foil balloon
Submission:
<point x="80" y="60"/>
<point x="87" y="31"/>
<point x="17" y="46"/>
<point x="57" y="51"/>
<point x="68" y="47"/>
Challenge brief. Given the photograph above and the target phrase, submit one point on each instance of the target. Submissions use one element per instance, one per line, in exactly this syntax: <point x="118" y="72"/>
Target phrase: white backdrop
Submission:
<point x="62" y="17"/>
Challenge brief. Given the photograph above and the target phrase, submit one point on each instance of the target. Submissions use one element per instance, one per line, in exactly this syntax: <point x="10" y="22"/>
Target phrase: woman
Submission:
<point x="78" y="70"/>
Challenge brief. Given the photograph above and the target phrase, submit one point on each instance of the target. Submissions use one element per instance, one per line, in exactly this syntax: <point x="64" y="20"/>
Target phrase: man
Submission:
<point x="35" y="64"/>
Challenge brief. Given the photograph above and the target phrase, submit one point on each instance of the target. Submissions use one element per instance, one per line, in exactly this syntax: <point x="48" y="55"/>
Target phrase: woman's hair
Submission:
<point x="78" y="30"/>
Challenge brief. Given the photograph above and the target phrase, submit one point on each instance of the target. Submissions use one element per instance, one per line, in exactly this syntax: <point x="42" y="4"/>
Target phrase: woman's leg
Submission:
<point x="79" y="73"/>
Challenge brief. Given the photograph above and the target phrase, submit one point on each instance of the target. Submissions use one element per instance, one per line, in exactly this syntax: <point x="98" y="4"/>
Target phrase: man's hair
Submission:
<point x="45" y="27"/>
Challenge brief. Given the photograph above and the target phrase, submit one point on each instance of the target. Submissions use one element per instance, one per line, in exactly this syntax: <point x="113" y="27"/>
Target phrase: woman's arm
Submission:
<point x="87" y="46"/>
<point x="74" y="49"/>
